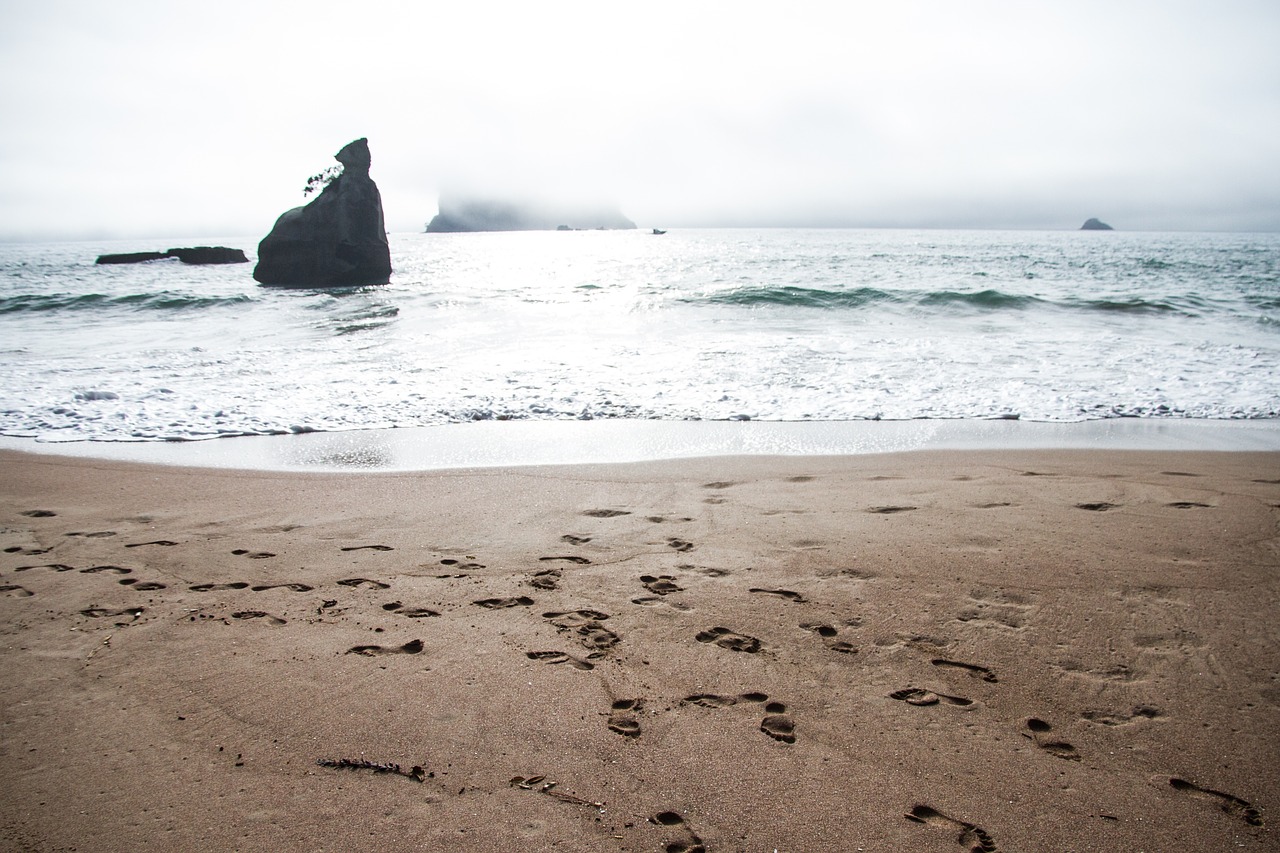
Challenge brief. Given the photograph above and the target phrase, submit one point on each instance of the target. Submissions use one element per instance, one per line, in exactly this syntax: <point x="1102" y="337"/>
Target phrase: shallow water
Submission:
<point x="782" y="325"/>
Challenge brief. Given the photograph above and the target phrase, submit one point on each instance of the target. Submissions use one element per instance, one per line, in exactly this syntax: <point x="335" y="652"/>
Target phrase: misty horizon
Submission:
<point x="148" y="120"/>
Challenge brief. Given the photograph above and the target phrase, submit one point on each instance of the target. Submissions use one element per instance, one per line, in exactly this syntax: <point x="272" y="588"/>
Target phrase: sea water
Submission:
<point x="770" y="324"/>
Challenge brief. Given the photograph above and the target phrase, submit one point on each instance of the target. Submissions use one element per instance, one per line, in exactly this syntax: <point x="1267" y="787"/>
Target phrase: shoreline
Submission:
<point x="490" y="444"/>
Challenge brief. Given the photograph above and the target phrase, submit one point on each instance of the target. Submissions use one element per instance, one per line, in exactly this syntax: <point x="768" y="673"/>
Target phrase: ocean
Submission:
<point x="702" y="324"/>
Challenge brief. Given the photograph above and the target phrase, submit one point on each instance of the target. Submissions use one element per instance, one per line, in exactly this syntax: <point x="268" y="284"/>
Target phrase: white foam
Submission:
<point x="520" y="443"/>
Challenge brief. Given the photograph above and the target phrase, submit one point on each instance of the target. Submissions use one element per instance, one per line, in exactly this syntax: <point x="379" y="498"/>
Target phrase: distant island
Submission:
<point x="472" y="214"/>
<point x="1095" y="225"/>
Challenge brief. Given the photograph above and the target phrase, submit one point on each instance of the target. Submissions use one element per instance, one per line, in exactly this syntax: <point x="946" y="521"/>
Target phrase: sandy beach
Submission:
<point x="1030" y="650"/>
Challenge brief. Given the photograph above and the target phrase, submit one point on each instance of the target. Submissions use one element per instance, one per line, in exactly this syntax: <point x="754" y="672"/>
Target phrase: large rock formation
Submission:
<point x="338" y="240"/>
<point x="1095" y="225"/>
<point x="472" y="214"/>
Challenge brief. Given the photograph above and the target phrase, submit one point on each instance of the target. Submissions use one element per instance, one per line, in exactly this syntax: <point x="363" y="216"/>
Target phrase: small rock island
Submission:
<point x="338" y="240"/>
<point x="192" y="255"/>
<point x="1095" y="225"/>
<point x="476" y="214"/>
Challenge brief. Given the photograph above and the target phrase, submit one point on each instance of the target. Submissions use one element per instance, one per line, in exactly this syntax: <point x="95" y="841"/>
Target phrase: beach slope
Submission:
<point x="929" y="651"/>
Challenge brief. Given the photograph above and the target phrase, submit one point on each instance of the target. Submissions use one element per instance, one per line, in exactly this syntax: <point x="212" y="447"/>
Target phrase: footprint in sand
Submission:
<point x="142" y="586"/>
<point x="499" y="603"/>
<point x="57" y="567"/>
<point x="575" y="540"/>
<point x="972" y="668"/>
<point x="706" y="570"/>
<point x="1113" y="719"/>
<point x="781" y="593"/>
<point x="100" y="534"/>
<point x="554" y="657"/>
<point x="545" y="579"/>
<point x="253" y="555"/>
<point x="921" y="697"/>
<point x="605" y="513"/>
<point x="651" y="600"/>
<point x="449" y="561"/>
<point x="208" y="587"/>
<point x="691" y="844"/>
<point x="891" y="510"/>
<point x="715" y="700"/>
<point x="828" y="633"/>
<point x="38" y="513"/>
<point x="1098" y="506"/>
<point x="585" y="624"/>
<point x="1229" y="803"/>
<point x="164" y="543"/>
<point x="577" y="561"/>
<point x="27" y="552"/>
<point x="680" y="545"/>
<point x="661" y="584"/>
<point x="258" y="614"/>
<point x="777" y="724"/>
<point x="412" y="647"/>
<point x="622" y="717"/>
<point x="358" y="582"/>
<point x="971" y="837"/>
<point x="574" y="618"/>
<point x="117" y="570"/>
<point x="731" y="640"/>
<point x="1188" y="505"/>
<point x="12" y="589"/>
<point x="292" y="587"/>
<point x="1060" y="748"/>
<point x="99" y="612"/>
<point x="412" y="612"/>
<point x="367" y="548"/>
<point x="597" y="637"/>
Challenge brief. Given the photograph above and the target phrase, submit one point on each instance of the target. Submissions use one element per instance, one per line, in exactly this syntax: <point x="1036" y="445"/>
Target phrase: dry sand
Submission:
<point x="933" y="651"/>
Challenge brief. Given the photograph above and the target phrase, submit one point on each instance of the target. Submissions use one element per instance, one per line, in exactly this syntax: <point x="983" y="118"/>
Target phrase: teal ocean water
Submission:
<point x="771" y="324"/>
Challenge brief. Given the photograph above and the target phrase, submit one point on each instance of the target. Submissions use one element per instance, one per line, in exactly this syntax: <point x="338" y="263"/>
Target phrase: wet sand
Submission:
<point x="928" y="651"/>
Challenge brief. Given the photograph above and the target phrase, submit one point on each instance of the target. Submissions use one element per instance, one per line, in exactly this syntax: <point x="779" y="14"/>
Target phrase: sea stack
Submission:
<point x="1095" y="225"/>
<point x="338" y="240"/>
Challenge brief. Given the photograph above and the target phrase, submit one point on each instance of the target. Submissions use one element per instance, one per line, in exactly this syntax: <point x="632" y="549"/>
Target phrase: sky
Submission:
<point x="137" y="119"/>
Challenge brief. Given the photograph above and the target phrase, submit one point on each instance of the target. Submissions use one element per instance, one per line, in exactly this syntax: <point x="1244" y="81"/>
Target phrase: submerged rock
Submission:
<point x="193" y="255"/>
<point x="1095" y="225"/>
<point x="338" y="240"/>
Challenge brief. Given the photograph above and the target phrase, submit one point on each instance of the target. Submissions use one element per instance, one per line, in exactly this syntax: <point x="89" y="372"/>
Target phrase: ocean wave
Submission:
<point x="996" y="299"/>
<point x="990" y="299"/>
<point x="800" y="297"/>
<point x="164" y="300"/>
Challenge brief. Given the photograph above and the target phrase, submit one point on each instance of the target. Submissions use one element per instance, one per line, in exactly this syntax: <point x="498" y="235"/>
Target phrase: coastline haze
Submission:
<point x="151" y="120"/>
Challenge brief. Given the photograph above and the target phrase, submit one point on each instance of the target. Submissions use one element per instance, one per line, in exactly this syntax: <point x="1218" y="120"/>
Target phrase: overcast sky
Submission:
<point x="168" y="119"/>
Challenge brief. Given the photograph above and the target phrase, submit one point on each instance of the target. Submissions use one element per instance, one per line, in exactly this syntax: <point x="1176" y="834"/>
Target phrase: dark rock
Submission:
<point x="471" y="214"/>
<point x="195" y="255"/>
<point x="338" y="240"/>
<point x="131" y="258"/>
<point x="209" y="255"/>
<point x="1095" y="225"/>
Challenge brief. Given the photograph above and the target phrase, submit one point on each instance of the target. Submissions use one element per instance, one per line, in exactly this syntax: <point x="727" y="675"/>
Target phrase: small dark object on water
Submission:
<point x="192" y="255"/>
<point x="416" y="773"/>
